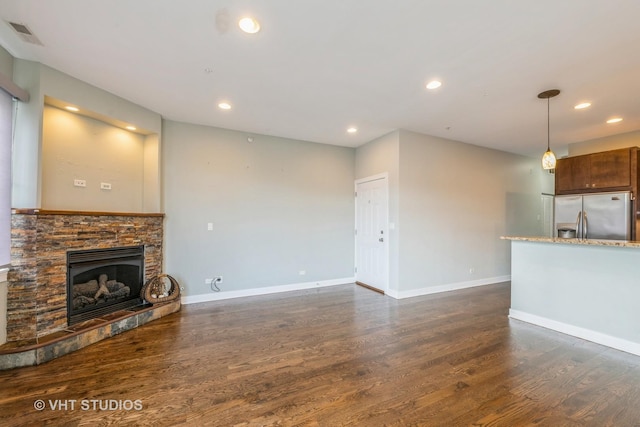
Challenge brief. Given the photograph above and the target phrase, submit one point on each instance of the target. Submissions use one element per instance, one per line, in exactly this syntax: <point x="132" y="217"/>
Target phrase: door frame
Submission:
<point x="381" y="176"/>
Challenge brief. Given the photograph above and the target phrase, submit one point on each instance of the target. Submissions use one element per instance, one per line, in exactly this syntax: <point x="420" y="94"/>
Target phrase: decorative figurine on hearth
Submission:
<point x="162" y="288"/>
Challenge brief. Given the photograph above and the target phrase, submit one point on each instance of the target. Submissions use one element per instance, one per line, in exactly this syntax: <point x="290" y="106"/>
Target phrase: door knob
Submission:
<point x="381" y="240"/>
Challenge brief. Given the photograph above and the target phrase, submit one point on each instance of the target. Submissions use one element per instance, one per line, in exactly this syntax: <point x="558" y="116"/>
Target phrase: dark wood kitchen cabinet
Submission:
<point x="572" y="173"/>
<point x="605" y="171"/>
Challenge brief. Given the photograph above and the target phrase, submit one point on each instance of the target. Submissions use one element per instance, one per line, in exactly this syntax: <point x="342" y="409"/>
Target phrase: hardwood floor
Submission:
<point x="334" y="356"/>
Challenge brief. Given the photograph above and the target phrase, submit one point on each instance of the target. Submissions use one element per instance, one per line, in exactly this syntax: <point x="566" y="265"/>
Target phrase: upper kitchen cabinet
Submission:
<point x="572" y="173"/>
<point x="608" y="170"/>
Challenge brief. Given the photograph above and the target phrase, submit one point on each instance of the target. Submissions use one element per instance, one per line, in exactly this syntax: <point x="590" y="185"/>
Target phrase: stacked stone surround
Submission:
<point x="40" y="240"/>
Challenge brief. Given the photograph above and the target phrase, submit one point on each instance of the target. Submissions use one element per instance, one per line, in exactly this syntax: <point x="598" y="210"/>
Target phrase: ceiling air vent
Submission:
<point x="25" y="33"/>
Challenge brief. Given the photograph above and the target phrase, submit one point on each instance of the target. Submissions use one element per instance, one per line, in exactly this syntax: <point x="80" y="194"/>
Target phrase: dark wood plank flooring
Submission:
<point x="337" y="356"/>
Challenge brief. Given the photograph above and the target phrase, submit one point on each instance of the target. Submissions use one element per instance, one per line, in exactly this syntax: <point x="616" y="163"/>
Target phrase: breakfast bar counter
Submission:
<point x="588" y="242"/>
<point x="586" y="288"/>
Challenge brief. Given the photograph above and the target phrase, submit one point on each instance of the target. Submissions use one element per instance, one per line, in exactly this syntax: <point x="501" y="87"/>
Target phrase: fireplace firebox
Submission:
<point x="102" y="281"/>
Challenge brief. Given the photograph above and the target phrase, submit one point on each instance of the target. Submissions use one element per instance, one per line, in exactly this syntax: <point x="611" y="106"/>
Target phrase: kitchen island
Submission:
<point x="586" y="288"/>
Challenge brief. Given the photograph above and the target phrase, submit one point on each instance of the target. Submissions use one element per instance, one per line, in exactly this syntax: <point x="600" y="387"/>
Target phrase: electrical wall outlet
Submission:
<point x="216" y="279"/>
<point x="79" y="183"/>
<point x="105" y="186"/>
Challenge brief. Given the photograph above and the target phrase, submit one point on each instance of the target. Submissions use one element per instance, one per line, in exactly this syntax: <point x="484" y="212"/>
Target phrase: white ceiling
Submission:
<point x="319" y="66"/>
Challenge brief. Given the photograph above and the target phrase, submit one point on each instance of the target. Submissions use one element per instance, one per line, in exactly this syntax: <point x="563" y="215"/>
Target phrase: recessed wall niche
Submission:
<point x="90" y="165"/>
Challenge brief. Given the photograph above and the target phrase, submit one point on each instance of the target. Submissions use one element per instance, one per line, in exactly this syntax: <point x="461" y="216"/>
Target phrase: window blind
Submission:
<point x="6" y="121"/>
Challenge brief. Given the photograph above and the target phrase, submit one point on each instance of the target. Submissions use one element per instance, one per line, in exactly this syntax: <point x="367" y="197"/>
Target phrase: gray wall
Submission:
<point x="450" y="202"/>
<point x="623" y="140"/>
<point x="6" y="63"/>
<point x="277" y="207"/>
<point x="27" y="146"/>
<point x="42" y="81"/>
<point x="77" y="147"/>
<point x="456" y="200"/>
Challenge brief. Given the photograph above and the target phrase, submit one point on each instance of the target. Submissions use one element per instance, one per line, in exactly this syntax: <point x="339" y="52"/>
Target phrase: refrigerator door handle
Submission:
<point x="585" y="224"/>
<point x="578" y="224"/>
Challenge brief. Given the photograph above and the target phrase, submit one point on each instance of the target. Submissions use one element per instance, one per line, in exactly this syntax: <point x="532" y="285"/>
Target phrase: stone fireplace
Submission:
<point x="56" y="147"/>
<point x="42" y="242"/>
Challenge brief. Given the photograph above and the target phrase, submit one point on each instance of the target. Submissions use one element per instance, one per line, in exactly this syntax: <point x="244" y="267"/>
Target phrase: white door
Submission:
<point x="372" y="238"/>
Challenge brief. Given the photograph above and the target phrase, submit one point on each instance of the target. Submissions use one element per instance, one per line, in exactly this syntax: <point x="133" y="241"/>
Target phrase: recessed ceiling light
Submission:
<point x="614" y="120"/>
<point x="249" y="25"/>
<point x="71" y="108"/>
<point x="131" y="128"/>
<point x="582" y="105"/>
<point x="224" y="106"/>
<point x="352" y="129"/>
<point x="434" y="84"/>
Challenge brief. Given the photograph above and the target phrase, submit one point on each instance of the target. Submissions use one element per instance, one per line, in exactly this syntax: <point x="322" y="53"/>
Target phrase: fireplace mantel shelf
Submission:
<point x="84" y="213"/>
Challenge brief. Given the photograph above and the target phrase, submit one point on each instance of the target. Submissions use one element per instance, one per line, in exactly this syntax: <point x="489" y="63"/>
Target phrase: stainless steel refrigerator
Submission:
<point x="594" y="216"/>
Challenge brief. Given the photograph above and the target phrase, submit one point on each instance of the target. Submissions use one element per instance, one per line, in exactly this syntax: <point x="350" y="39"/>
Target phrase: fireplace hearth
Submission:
<point x="102" y="281"/>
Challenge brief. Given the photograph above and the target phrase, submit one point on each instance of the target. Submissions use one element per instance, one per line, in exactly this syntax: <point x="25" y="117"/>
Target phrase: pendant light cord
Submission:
<point x="548" y="126"/>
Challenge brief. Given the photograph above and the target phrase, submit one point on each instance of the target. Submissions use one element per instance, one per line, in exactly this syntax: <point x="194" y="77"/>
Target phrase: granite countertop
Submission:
<point x="593" y="242"/>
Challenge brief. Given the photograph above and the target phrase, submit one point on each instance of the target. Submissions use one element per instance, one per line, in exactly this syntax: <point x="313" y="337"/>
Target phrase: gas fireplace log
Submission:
<point x="117" y="289"/>
<point x="97" y="291"/>
<point x="103" y="290"/>
<point x="120" y="293"/>
<point x="82" y="301"/>
<point x="87" y="289"/>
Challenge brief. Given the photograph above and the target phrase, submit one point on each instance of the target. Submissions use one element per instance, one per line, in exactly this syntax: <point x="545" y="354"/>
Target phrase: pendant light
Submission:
<point x="548" y="158"/>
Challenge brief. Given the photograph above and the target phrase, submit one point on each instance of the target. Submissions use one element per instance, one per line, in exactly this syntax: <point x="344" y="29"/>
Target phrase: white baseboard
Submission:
<point x="448" y="287"/>
<point x="192" y="299"/>
<point x="576" y="331"/>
